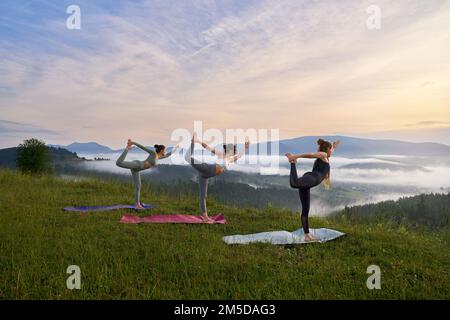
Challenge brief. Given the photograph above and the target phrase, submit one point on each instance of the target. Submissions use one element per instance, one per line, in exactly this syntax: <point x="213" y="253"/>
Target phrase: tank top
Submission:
<point x="151" y="159"/>
<point x="321" y="168"/>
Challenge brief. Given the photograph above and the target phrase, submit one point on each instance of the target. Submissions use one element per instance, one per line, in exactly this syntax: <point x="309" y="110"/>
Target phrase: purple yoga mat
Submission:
<point x="171" y="218"/>
<point x="107" y="208"/>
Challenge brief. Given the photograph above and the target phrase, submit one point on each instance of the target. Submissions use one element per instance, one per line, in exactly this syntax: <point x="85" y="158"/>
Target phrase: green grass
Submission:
<point x="38" y="241"/>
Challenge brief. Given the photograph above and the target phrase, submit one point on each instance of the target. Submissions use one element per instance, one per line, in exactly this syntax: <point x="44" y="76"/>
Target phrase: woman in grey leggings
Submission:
<point x="207" y="170"/>
<point x="137" y="166"/>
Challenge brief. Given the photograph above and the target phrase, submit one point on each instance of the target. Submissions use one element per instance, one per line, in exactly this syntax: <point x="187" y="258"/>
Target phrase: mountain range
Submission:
<point x="350" y="146"/>
<point x="85" y="147"/>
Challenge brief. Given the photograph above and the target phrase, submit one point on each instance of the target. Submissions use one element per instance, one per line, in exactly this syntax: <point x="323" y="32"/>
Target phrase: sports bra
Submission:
<point x="151" y="159"/>
<point x="321" y="167"/>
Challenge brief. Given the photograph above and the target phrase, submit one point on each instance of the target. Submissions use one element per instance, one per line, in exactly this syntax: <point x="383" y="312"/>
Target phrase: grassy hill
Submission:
<point x="39" y="241"/>
<point x="58" y="157"/>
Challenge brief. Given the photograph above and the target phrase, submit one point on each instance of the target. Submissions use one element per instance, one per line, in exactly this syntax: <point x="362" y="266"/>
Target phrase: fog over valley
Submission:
<point x="355" y="181"/>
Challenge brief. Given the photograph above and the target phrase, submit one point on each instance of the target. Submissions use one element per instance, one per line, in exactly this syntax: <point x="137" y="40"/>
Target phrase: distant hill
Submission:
<point x="385" y="166"/>
<point x="430" y="210"/>
<point x="94" y="148"/>
<point x="350" y="147"/>
<point x="8" y="158"/>
<point x="86" y="147"/>
<point x="363" y="147"/>
<point x="57" y="156"/>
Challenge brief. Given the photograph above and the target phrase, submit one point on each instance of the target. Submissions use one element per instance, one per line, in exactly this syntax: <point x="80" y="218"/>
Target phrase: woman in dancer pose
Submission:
<point x="207" y="170"/>
<point x="136" y="166"/>
<point x="319" y="173"/>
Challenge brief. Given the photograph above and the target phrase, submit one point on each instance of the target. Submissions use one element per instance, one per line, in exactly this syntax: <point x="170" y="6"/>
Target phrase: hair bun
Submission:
<point x="156" y="146"/>
<point x="320" y="142"/>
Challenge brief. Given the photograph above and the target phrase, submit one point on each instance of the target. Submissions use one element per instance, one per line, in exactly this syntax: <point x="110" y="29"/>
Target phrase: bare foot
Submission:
<point x="139" y="206"/>
<point x="310" y="237"/>
<point x="291" y="157"/>
<point x="205" y="218"/>
<point x="129" y="144"/>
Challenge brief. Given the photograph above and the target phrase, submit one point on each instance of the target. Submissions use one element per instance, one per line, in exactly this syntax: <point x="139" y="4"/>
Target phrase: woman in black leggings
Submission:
<point x="319" y="173"/>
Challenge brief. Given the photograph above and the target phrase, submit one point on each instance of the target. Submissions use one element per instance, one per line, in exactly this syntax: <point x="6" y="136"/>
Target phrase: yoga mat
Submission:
<point x="283" y="237"/>
<point x="171" y="218"/>
<point x="107" y="208"/>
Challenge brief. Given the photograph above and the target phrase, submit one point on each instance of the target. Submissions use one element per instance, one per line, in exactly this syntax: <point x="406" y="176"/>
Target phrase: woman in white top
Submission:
<point x="206" y="170"/>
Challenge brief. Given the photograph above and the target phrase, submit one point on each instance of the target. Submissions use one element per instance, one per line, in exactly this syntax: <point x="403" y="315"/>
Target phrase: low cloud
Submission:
<point x="15" y="128"/>
<point x="423" y="173"/>
<point x="14" y="132"/>
<point x="428" y="123"/>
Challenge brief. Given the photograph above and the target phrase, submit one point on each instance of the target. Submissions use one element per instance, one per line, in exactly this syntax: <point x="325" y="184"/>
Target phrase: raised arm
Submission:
<point x="334" y="145"/>
<point x="240" y="154"/>
<point x="149" y="151"/>
<point x="168" y="154"/>
<point x="316" y="155"/>
<point x="212" y="150"/>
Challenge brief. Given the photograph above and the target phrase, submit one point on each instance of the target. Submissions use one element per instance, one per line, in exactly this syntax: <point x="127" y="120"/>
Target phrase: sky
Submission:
<point x="141" y="69"/>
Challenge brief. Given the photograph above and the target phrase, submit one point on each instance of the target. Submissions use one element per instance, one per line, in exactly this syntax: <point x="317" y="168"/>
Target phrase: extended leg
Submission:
<point x="305" y="200"/>
<point x="126" y="164"/>
<point x="308" y="180"/>
<point x="293" y="178"/>
<point x="137" y="186"/>
<point x="205" y="170"/>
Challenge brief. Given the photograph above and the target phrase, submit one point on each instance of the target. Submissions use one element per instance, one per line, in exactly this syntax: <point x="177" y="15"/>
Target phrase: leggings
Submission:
<point x="205" y="171"/>
<point x="135" y="166"/>
<point x="304" y="185"/>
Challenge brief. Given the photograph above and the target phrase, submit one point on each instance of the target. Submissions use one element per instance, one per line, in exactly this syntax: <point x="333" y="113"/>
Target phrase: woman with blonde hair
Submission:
<point x="320" y="173"/>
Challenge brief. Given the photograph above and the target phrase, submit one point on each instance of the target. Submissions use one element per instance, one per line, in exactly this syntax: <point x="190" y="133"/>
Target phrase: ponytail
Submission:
<point x="326" y="182"/>
<point x="324" y="145"/>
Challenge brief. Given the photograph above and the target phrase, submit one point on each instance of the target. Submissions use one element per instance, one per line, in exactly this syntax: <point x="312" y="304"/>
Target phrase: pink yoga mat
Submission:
<point x="171" y="218"/>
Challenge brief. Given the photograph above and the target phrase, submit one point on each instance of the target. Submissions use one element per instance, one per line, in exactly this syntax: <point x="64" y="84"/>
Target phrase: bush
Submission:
<point x="33" y="157"/>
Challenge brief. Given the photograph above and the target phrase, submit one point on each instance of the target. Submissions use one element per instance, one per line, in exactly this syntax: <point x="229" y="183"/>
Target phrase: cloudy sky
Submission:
<point x="141" y="69"/>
